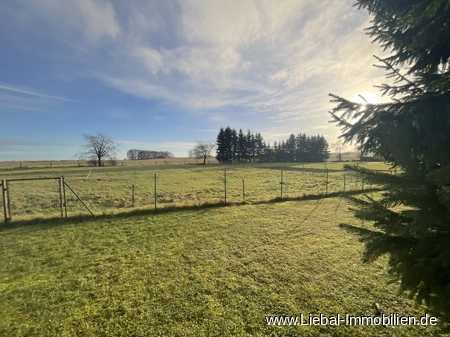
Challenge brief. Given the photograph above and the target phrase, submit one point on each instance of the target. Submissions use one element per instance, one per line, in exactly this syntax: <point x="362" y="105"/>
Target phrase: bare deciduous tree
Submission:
<point x="98" y="147"/>
<point x="202" y="151"/>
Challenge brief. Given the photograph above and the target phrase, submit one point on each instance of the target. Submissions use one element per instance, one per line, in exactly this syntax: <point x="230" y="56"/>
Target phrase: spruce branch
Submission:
<point x="396" y="73"/>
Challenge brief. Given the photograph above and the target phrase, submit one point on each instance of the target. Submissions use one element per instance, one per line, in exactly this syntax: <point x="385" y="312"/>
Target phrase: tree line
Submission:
<point x="237" y="146"/>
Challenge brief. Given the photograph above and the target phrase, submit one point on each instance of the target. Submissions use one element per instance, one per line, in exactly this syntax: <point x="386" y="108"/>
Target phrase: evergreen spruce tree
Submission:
<point x="308" y="148"/>
<point x="323" y="152"/>
<point x="248" y="146"/>
<point x="268" y="154"/>
<point x="221" y="146"/>
<point x="240" y="146"/>
<point x="411" y="132"/>
<point x="283" y="151"/>
<point x="300" y="147"/>
<point x="234" y="145"/>
<point x="260" y="146"/>
<point x="228" y="145"/>
<point x="252" y="147"/>
<point x="276" y="152"/>
<point x="291" y="148"/>
<point x="312" y="146"/>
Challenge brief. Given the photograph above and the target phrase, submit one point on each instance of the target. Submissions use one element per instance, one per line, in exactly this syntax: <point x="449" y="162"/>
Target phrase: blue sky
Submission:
<point x="163" y="75"/>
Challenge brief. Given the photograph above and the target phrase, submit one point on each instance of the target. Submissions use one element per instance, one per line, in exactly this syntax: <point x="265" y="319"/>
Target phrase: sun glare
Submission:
<point x="366" y="97"/>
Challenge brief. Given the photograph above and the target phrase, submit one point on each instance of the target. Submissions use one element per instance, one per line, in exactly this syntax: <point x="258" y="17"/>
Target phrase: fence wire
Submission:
<point x="106" y="192"/>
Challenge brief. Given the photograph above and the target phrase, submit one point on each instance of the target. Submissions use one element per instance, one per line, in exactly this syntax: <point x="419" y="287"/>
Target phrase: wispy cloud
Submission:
<point x="16" y="98"/>
<point x="91" y="20"/>
<point x="253" y="64"/>
<point x="28" y="92"/>
<point x="268" y="57"/>
<point x="276" y="59"/>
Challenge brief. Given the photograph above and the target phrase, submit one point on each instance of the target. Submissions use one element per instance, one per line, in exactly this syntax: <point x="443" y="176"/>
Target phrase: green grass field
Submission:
<point x="109" y="189"/>
<point x="210" y="272"/>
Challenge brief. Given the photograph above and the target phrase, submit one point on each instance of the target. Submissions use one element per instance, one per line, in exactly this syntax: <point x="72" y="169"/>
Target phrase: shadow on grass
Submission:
<point x="57" y="221"/>
<point x="419" y="263"/>
<point x="301" y="169"/>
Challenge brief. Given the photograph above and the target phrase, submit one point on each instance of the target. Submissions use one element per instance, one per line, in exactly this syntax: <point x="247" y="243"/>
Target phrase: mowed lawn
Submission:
<point x="210" y="272"/>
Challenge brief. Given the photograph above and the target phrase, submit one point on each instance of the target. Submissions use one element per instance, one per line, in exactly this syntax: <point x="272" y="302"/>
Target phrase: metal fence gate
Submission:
<point x="62" y="188"/>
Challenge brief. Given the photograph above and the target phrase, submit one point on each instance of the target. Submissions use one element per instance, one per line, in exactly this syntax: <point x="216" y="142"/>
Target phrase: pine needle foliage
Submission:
<point x="412" y="132"/>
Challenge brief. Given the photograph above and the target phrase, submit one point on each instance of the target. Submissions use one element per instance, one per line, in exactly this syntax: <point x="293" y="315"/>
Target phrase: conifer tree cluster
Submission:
<point x="300" y="148"/>
<point x="237" y="146"/>
<point x="412" y="218"/>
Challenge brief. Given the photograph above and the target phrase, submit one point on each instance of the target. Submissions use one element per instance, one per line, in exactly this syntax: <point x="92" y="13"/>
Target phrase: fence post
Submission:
<point x="243" y="189"/>
<point x="225" y="184"/>
<point x="281" y="184"/>
<point x="64" y="196"/>
<point x="362" y="182"/>
<point x="344" y="181"/>
<point x="5" y="209"/>
<point x="8" y="200"/>
<point x="132" y="195"/>
<point x="154" y="190"/>
<point x="285" y="185"/>
<point x="60" y="187"/>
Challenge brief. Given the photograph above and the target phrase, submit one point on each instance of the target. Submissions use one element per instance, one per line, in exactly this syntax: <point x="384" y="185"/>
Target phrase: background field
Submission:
<point x="211" y="272"/>
<point x="109" y="189"/>
<point x="49" y="164"/>
<point x="29" y="164"/>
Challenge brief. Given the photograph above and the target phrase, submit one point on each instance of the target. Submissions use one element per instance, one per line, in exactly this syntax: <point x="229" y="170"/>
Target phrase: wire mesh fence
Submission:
<point x="108" y="193"/>
<point x="41" y="199"/>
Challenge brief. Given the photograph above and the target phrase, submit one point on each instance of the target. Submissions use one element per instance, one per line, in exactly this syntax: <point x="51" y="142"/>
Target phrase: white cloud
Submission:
<point x="242" y="61"/>
<point x="94" y="19"/>
<point x="151" y="59"/>
<point x="98" y="18"/>
<point x="278" y="58"/>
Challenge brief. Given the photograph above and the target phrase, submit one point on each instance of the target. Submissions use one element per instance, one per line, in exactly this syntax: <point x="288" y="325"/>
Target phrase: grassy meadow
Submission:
<point x="109" y="189"/>
<point x="211" y="271"/>
<point x="208" y="272"/>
